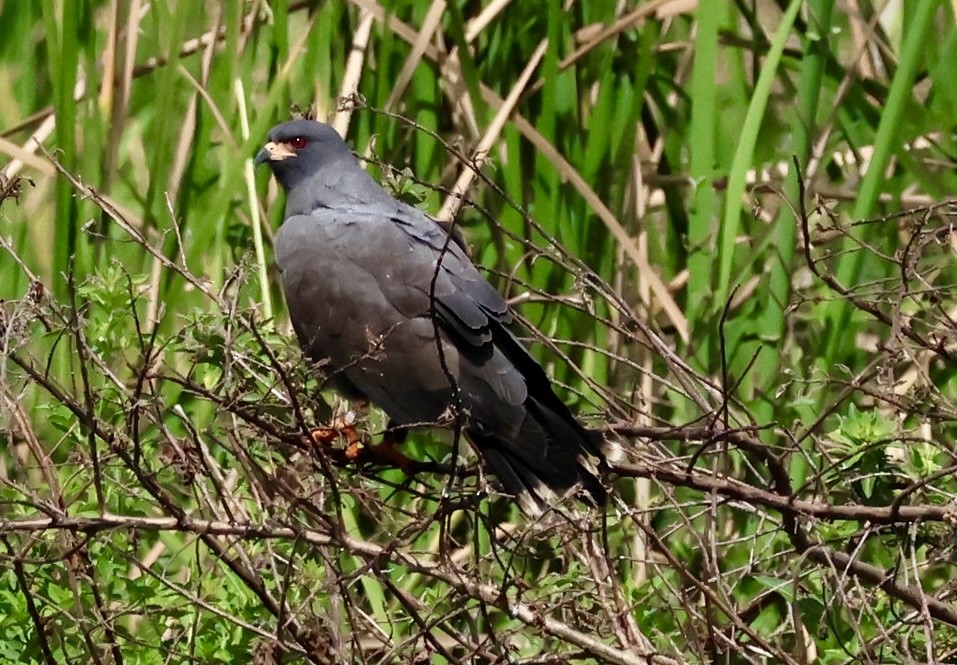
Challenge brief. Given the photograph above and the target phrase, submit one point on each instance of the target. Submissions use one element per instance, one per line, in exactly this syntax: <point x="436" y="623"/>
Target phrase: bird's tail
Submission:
<point x="547" y="460"/>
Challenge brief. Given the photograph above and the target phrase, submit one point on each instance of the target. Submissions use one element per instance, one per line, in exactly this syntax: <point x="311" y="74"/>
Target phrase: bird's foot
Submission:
<point x="343" y="426"/>
<point x="394" y="436"/>
<point x="383" y="454"/>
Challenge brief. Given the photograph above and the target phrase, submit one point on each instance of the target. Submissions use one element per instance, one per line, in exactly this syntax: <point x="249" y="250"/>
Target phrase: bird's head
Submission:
<point x="299" y="149"/>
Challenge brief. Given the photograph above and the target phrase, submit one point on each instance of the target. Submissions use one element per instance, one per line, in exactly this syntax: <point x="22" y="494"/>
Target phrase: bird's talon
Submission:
<point x="323" y="436"/>
<point x="354" y="451"/>
<point x="340" y="427"/>
<point x="351" y="435"/>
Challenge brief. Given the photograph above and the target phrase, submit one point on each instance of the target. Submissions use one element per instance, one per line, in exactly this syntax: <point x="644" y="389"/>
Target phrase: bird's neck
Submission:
<point x="334" y="187"/>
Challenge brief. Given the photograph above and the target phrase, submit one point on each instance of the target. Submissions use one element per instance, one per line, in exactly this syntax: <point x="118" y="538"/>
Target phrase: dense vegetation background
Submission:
<point x="725" y="227"/>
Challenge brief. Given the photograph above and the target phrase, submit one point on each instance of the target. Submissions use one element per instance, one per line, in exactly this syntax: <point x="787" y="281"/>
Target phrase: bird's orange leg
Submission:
<point x="381" y="454"/>
<point x="342" y="426"/>
<point x="386" y="453"/>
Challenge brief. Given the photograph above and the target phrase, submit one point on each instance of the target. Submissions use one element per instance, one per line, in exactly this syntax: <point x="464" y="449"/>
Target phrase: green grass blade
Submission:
<point x="885" y="144"/>
<point x="743" y="156"/>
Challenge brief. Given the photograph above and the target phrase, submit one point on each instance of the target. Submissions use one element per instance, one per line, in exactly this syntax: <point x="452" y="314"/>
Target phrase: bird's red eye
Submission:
<point x="298" y="143"/>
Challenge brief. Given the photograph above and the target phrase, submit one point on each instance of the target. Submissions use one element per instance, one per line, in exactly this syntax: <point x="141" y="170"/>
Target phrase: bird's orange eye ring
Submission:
<point x="298" y="143"/>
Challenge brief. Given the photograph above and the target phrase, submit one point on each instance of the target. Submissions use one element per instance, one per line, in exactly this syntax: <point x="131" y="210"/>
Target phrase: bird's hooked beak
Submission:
<point x="274" y="152"/>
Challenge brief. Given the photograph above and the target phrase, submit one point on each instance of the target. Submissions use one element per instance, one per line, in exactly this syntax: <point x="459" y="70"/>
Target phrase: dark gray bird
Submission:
<point x="368" y="281"/>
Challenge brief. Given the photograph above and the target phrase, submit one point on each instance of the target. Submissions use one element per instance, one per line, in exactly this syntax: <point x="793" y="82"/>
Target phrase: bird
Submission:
<point x="395" y="313"/>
